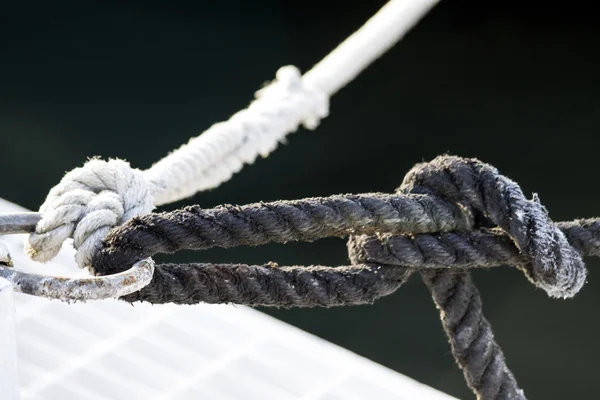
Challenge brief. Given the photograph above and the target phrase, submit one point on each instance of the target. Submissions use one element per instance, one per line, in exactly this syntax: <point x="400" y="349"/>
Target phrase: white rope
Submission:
<point x="85" y="205"/>
<point x="367" y="44"/>
<point x="90" y="200"/>
<point x="213" y="157"/>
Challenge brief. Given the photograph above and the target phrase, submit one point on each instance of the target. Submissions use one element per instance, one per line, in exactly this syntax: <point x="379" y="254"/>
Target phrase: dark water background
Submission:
<point x="515" y="84"/>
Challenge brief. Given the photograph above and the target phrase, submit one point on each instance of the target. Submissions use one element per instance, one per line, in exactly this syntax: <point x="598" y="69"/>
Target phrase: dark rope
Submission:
<point x="553" y="264"/>
<point x="495" y="200"/>
<point x="470" y="335"/>
<point x="194" y="228"/>
<point x="449" y="215"/>
<point x="271" y="285"/>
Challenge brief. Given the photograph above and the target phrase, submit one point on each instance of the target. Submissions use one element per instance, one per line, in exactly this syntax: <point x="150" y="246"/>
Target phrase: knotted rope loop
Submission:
<point x="542" y="251"/>
<point x="85" y="205"/>
<point x="553" y="264"/>
<point x="449" y="215"/>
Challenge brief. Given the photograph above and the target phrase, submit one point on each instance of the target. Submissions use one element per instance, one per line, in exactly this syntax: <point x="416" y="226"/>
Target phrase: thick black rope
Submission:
<point x="279" y="222"/>
<point x="449" y="215"/>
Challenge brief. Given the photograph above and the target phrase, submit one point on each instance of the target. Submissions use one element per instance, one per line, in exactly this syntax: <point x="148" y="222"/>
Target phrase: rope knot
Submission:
<point x="498" y="202"/>
<point x="310" y="103"/>
<point x="85" y="205"/>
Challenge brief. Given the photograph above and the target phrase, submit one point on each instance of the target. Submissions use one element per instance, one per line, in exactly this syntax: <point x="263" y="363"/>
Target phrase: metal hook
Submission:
<point x="65" y="288"/>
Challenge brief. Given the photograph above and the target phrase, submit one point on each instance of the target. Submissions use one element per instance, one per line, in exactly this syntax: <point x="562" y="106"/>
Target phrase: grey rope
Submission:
<point x="279" y="222"/>
<point x="470" y="335"/>
<point x="449" y="215"/>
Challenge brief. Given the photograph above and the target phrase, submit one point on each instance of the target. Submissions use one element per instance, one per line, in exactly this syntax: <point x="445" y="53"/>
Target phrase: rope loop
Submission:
<point x="554" y="265"/>
<point x="495" y="202"/>
<point x="449" y="215"/>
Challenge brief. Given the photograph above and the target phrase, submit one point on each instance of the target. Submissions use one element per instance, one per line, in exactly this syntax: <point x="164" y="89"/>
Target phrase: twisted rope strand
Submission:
<point x="554" y="265"/>
<point x="311" y="219"/>
<point x="193" y="228"/>
<point x="470" y="335"/>
<point x="271" y="285"/>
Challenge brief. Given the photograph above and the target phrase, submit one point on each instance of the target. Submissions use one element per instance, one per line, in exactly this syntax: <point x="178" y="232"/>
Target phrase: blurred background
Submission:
<point x="514" y="84"/>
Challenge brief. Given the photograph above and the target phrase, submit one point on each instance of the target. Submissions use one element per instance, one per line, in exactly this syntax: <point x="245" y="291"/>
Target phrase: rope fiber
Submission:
<point x="449" y="215"/>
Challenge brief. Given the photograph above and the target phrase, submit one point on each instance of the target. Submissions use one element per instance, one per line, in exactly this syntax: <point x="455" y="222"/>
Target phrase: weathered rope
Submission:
<point x="281" y="221"/>
<point x="450" y="229"/>
<point x="90" y="200"/>
<point x="552" y="263"/>
<point x="448" y="215"/>
<point x="470" y="334"/>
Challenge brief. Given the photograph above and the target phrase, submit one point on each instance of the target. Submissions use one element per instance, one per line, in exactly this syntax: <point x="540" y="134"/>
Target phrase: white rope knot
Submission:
<point x="308" y="103"/>
<point x="85" y="205"/>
